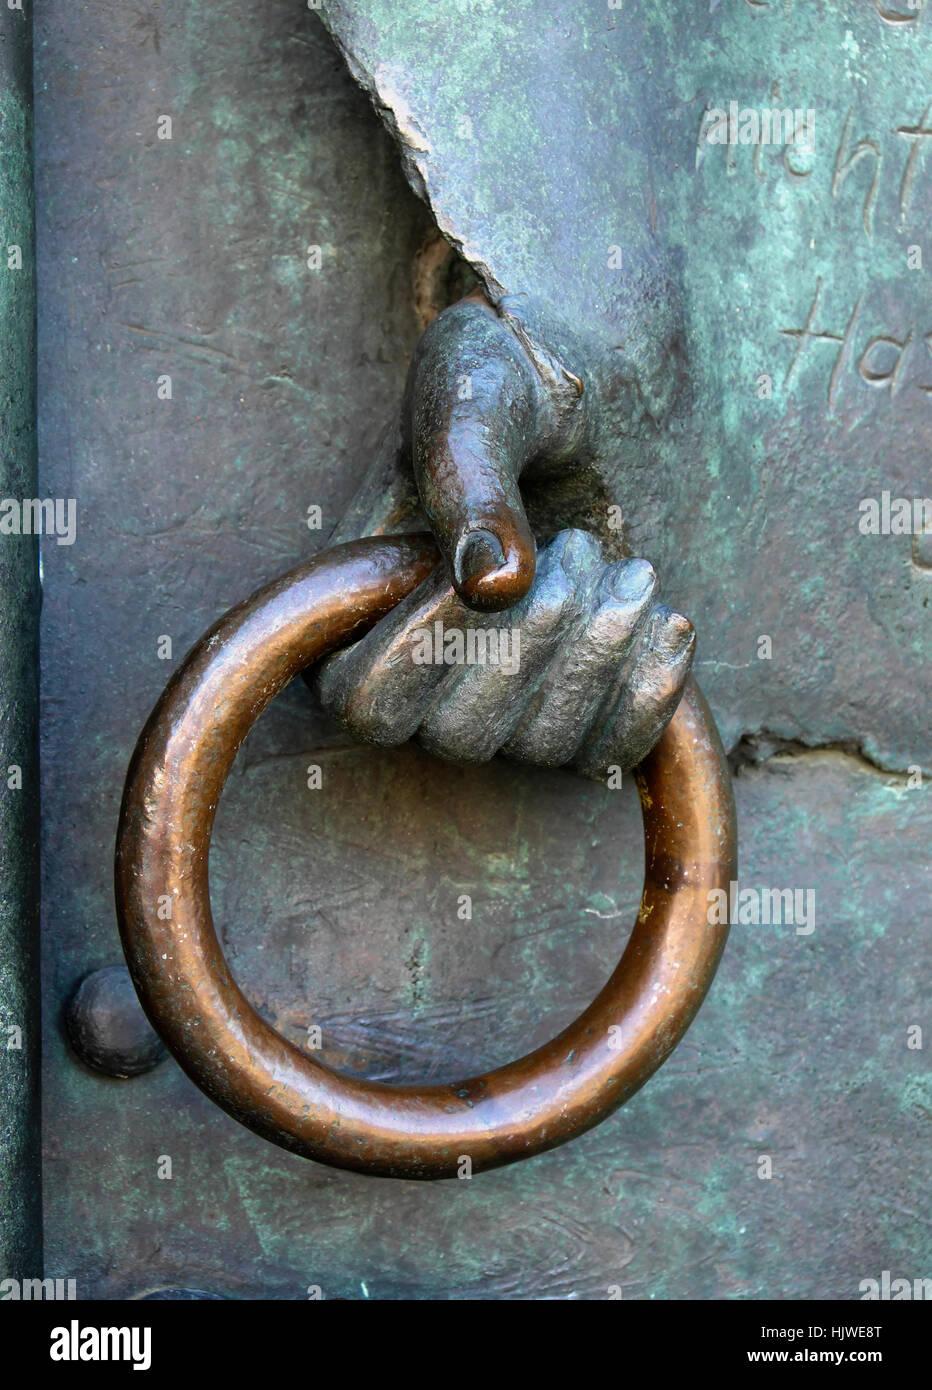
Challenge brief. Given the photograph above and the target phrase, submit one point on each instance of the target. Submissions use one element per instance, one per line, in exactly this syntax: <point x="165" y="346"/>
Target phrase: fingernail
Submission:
<point x="479" y="553"/>
<point x="633" y="581"/>
<point x="673" y="634"/>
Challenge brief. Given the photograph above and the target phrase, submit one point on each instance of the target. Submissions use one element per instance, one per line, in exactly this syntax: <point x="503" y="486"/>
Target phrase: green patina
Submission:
<point x="20" y="1202"/>
<point x="283" y="378"/>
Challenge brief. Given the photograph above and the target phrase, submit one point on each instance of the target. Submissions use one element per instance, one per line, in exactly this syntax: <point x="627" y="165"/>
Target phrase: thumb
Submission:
<point x="475" y="411"/>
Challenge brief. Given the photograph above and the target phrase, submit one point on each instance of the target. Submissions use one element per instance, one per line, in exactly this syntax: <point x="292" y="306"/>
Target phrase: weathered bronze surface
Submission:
<point x="586" y="670"/>
<point x="106" y="1028"/>
<point x="546" y="1097"/>
<point x="188" y="257"/>
<point x="748" y="318"/>
<point x="20" y="1145"/>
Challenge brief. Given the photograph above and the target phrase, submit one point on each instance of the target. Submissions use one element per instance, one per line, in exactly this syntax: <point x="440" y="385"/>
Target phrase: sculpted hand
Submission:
<point x="482" y="405"/>
<point x="586" y="669"/>
<point x="581" y="665"/>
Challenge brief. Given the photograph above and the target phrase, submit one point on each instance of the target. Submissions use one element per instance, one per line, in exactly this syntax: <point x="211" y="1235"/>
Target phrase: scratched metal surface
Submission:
<point x="339" y="906"/>
<point x="559" y="132"/>
<point x="20" y="1212"/>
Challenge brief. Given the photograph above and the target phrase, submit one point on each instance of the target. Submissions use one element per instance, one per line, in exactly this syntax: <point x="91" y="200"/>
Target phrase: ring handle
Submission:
<point x="553" y="1094"/>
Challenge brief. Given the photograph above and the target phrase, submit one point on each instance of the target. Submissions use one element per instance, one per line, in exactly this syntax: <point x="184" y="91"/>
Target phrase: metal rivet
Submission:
<point x="107" y="1027"/>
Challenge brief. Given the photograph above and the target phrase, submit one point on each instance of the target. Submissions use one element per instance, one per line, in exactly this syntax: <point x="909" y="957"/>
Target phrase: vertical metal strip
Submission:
<point x="20" y="1157"/>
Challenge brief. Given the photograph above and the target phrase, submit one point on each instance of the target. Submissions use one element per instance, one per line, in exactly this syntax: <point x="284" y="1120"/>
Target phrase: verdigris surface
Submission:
<point x="751" y="321"/>
<point x="20" y="1190"/>
<point x="340" y="907"/>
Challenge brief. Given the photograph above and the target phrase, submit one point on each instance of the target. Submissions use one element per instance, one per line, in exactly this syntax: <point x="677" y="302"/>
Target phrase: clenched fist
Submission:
<point x="587" y="669"/>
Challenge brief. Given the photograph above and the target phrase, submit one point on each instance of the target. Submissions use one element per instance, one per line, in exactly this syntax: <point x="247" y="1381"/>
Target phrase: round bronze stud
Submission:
<point x="541" y="1100"/>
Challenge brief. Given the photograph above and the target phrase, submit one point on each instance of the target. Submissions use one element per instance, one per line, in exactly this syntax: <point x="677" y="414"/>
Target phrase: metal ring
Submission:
<point x="551" y="1095"/>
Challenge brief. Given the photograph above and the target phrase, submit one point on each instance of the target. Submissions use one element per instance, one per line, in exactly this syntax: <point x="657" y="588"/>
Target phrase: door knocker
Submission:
<point x="555" y="1093"/>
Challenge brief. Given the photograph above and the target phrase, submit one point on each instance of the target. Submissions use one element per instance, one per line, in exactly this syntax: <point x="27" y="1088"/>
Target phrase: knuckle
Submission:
<point x="451" y="731"/>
